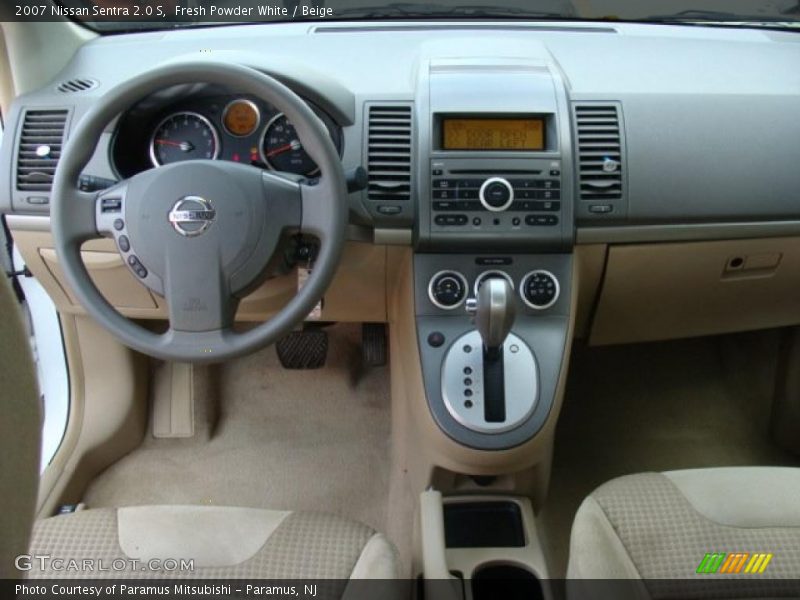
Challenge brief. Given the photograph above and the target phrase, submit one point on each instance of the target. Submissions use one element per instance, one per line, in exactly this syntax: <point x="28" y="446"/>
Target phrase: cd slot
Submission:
<point x="493" y="171"/>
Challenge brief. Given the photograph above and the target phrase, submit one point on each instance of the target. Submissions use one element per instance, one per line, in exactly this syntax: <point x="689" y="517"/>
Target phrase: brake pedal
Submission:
<point x="303" y="349"/>
<point x="373" y="344"/>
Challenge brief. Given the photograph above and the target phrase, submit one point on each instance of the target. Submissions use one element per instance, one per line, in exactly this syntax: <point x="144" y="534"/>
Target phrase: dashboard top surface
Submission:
<point x="706" y="114"/>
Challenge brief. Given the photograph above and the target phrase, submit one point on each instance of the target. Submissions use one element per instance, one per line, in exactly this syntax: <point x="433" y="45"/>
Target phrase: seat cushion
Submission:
<point x="221" y="542"/>
<point x="661" y="526"/>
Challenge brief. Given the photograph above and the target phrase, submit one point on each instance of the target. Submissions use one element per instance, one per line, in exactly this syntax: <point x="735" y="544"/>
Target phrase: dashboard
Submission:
<point x="677" y="133"/>
<point x="179" y="125"/>
<point x="667" y="153"/>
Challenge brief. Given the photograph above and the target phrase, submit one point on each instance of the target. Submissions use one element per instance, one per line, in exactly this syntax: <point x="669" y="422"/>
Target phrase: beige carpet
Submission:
<point x="301" y="440"/>
<point x="660" y="406"/>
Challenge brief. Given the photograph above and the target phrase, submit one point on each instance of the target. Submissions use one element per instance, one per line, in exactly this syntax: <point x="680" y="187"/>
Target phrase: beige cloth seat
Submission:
<point x="222" y="542"/>
<point x="659" y="526"/>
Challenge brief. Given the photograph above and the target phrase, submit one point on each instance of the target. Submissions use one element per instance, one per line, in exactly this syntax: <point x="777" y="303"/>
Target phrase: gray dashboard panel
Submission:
<point x="544" y="331"/>
<point x="710" y="114"/>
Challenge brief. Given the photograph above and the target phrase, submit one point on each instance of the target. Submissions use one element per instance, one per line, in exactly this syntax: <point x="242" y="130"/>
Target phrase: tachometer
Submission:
<point x="184" y="136"/>
<point x="282" y="151"/>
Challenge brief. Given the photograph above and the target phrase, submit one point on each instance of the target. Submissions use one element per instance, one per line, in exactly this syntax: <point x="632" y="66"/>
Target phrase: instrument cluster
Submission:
<point x="230" y="127"/>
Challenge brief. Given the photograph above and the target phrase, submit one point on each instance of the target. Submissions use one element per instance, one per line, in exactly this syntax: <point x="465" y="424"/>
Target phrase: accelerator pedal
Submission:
<point x="305" y="349"/>
<point x="373" y="344"/>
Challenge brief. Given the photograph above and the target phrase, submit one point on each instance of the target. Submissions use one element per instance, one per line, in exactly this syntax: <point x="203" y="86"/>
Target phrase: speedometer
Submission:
<point x="281" y="149"/>
<point x="184" y="136"/>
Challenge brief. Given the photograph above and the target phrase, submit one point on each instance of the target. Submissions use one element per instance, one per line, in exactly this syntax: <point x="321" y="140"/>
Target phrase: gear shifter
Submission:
<point x="494" y="314"/>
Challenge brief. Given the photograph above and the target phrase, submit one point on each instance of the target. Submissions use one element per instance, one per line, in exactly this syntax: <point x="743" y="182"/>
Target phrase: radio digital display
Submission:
<point x="492" y="134"/>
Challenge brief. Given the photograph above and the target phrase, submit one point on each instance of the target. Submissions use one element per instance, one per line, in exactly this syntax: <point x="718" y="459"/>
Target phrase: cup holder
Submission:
<point x="507" y="581"/>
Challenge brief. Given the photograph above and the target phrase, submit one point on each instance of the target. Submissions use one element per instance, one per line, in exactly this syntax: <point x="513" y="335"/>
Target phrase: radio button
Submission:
<point x="442" y="184"/>
<point x="541" y="220"/>
<point x="526" y="194"/>
<point x="444" y="205"/>
<point x="522" y="183"/>
<point x="469" y="205"/>
<point x="444" y="194"/>
<point x="467" y="194"/>
<point x="468" y="183"/>
<point x="450" y="220"/>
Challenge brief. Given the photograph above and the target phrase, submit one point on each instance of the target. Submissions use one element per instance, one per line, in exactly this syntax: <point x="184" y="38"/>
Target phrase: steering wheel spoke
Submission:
<point x="80" y="222"/>
<point x="283" y="200"/>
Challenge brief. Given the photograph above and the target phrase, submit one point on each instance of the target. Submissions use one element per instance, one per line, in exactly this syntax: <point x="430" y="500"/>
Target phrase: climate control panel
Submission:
<point x="538" y="289"/>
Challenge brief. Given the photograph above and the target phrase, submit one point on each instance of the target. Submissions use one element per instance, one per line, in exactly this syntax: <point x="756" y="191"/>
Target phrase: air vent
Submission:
<point x="600" y="152"/>
<point x="73" y="86"/>
<point x="389" y="152"/>
<point x="40" y="149"/>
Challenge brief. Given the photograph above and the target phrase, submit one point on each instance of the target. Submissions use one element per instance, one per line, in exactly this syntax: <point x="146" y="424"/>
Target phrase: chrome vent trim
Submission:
<point x="79" y="84"/>
<point x="40" y="144"/>
<point x="389" y="138"/>
<point x="600" y="152"/>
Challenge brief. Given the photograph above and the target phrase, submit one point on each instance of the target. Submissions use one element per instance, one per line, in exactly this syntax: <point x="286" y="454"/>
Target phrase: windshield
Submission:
<point x="125" y="15"/>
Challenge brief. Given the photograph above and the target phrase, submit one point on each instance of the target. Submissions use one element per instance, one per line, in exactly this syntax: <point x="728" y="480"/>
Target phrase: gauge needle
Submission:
<point x="293" y="145"/>
<point x="184" y="146"/>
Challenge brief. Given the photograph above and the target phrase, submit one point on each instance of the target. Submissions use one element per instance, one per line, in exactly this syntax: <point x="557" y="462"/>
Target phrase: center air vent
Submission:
<point x="39" y="149"/>
<point x="389" y="152"/>
<point x="79" y="84"/>
<point x="600" y="152"/>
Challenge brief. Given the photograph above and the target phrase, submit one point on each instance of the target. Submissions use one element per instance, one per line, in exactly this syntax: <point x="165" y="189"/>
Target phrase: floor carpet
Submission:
<point x="273" y="438"/>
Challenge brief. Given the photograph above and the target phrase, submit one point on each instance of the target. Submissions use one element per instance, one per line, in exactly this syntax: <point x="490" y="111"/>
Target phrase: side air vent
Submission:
<point x="39" y="149"/>
<point x="389" y="152"/>
<point x="600" y="152"/>
<point x="73" y="86"/>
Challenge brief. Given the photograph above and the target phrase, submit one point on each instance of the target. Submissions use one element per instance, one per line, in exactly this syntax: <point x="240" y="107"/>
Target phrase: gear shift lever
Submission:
<point x="494" y="314"/>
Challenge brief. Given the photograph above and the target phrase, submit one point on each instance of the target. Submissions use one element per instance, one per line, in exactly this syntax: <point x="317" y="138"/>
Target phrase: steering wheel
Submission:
<point x="200" y="233"/>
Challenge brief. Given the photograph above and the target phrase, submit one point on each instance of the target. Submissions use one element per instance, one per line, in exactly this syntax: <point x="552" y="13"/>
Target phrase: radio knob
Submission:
<point x="496" y="194"/>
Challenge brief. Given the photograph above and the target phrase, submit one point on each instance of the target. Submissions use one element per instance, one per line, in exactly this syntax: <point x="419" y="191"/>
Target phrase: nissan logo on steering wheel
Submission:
<point x="192" y="215"/>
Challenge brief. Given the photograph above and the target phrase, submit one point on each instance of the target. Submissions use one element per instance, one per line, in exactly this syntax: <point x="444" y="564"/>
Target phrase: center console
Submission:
<point x="493" y="289"/>
<point x="493" y="263"/>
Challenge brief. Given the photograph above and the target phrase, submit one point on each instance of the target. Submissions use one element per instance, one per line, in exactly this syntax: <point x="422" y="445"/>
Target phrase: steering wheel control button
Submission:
<point x="111" y="205"/>
<point x="137" y="266"/>
<point x="192" y="215"/>
<point x="119" y="224"/>
<point x="124" y="243"/>
<point x="436" y="339"/>
<point x="447" y="289"/>
<point x="496" y="194"/>
<point x="539" y="289"/>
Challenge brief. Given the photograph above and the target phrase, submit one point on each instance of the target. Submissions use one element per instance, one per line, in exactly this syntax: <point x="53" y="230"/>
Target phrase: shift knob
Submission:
<point x="494" y="312"/>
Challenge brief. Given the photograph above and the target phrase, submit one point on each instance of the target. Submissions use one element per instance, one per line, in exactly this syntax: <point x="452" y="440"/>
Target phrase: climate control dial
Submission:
<point x="539" y="289"/>
<point x="447" y="289"/>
